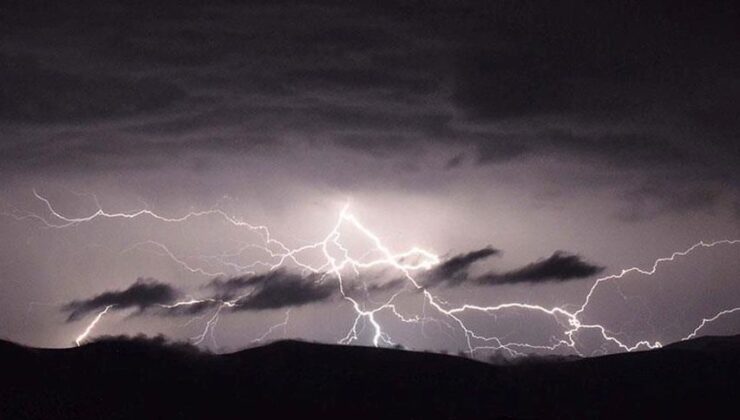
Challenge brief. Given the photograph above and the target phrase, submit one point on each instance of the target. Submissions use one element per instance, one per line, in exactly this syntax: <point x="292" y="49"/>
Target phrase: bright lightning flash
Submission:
<point x="333" y="266"/>
<point x="80" y="338"/>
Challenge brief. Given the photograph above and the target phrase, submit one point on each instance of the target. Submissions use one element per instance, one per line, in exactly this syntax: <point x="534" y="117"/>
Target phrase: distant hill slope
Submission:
<point x="137" y="379"/>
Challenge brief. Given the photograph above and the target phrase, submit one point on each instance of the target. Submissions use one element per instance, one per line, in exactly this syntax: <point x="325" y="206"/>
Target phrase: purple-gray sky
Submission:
<point x="533" y="147"/>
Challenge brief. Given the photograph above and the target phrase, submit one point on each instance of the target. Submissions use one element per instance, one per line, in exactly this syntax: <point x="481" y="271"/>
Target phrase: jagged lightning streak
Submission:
<point x="210" y="326"/>
<point x="272" y="329"/>
<point x="80" y="338"/>
<point x="706" y="321"/>
<point x="334" y="266"/>
<point x="573" y="317"/>
<point x="166" y="252"/>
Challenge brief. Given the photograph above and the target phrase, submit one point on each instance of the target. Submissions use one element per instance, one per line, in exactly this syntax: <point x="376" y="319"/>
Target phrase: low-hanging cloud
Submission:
<point x="272" y="290"/>
<point x="560" y="266"/>
<point x="281" y="289"/>
<point x="455" y="270"/>
<point x="143" y="294"/>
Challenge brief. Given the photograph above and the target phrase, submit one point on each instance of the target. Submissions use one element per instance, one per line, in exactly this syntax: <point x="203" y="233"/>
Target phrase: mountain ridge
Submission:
<point x="125" y="378"/>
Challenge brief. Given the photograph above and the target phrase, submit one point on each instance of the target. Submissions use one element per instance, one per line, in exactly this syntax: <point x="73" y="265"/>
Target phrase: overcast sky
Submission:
<point x="534" y="147"/>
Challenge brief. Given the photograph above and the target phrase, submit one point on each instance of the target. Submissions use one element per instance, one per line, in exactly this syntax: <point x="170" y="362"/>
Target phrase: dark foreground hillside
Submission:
<point x="137" y="379"/>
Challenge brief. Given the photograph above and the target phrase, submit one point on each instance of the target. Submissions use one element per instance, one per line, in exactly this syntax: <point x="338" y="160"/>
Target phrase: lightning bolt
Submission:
<point x="80" y="338"/>
<point x="334" y="267"/>
<point x="272" y="329"/>
<point x="706" y="321"/>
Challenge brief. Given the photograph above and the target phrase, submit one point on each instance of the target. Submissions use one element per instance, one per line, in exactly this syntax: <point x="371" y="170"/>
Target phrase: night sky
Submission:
<point x="528" y="148"/>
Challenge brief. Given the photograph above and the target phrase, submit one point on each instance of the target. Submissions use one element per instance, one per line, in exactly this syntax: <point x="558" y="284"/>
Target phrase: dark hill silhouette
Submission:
<point x="138" y="378"/>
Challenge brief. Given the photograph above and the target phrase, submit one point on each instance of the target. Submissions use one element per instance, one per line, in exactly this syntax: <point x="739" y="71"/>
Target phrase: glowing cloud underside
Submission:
<point x="334" y="267"/>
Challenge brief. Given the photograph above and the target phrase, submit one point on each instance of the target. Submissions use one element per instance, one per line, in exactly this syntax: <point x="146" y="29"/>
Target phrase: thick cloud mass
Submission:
<point x="34" y="94"/>
<point x="560" y="266"/>
<point x="273" y="290"/>
<point x="283" y="289"/>
<point x="641" y="90"/>
<point x="455" y="270"/>
<point x="230" y="287"/>
<point x="143" y="294"/>
<point x="280" y="289"/>
<point x="607" y="129"/>
<point x="264" y="290"/>
<point x="629" y="83"/>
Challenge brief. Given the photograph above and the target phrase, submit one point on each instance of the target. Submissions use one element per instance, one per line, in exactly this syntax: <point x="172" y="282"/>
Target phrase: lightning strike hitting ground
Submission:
<point x="334" y="267"/>
<point x="80" y="338"/>
<point x="272" y="329"/>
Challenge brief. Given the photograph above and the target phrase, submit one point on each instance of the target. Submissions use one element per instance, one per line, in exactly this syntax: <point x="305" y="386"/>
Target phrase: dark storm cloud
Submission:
<point x="228" y="288"/>
<point x="635" y="85"/>
<point x="32" y="93"/>
<point x="579" y="57"/>
<point x="363" y="79"/>
<point x="560" y="266"/>
<point x="497" y="149"/>
<point x="281" y="289"/>
<point x="215" y="59"/>
<point x="621" y="149"/>
<point x="273" y="290"/>
<point x="633" y="69"/>
<point x="143" y="294"/>
<point x="455" y="270"/>
<point x="651" y="200"/>
<point x="384" y="287"/>
<point x="494" y="84"/>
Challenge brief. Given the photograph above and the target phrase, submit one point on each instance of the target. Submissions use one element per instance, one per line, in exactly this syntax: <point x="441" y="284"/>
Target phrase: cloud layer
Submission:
<point x="284" y="289"/>
<point x="387" y="80"/>
<point x="276" y="289"/>
<point x="636" y="89"/>
<point x="454" y="270"/>
<point x="560" y="266"/>
<point x="143" y="294"/>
